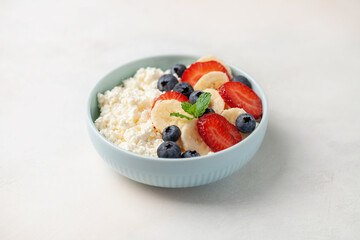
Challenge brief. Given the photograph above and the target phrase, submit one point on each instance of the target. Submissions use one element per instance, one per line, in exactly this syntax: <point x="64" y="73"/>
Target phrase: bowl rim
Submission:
<point x="93" y="92"/>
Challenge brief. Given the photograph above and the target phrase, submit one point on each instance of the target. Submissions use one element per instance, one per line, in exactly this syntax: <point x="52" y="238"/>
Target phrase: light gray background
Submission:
<point x="304" y="183"/>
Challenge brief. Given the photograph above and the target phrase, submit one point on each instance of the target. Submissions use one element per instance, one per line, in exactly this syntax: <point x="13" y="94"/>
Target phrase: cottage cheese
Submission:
<point x="125" y="113"/>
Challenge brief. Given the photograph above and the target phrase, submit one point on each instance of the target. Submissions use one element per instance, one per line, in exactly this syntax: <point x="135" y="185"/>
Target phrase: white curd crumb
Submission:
<point x="125" y="113"/>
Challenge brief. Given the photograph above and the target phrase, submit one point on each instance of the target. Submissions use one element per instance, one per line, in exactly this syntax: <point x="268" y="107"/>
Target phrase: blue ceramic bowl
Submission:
<point x="172" y="173"/>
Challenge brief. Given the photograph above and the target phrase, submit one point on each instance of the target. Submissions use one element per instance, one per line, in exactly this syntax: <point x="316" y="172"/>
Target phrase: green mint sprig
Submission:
<point x="173" y="114"/>
<point x="196" y="110"/>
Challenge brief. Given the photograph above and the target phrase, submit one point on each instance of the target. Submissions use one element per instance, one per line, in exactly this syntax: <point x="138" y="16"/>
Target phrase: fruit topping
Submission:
<point x="171" y="95"/>
<point x="238" y="95"/>
<point x="241" y="79"/>
<point x="191" y="140"/>
<point x="169" y="150"/>
<point x="190" y="153"/>
<point x="216" y="101"/>
<point x="211" y="80"/>
<point x="199" y="69"/>
<point x="245" y="123"/>
<point x="171" y="133"/>
<point x="209" y="110"/>
<point x="167" y="82"/>
<point x="160" y="114"/>
<point x="231" y="114"/>
<point x="213" y="58"/>
<point x="178" y="69"/>
<point x="194" y="96"/>
<point x="217" y="132"/>
<point x="183" y="88"/>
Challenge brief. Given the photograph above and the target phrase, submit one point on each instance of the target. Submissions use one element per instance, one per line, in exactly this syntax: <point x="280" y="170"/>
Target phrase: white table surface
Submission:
<point x="304" y="183"/>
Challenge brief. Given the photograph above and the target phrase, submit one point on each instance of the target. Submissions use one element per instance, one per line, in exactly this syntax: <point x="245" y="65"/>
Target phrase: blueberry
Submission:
<point x="241" y="79"/>
<point x="167" y="82"/>
<point x="194" y="96"/>
<point x="183" y="88"/>
<point x="169" y="150"/>
<point x="209" y="110"/>
<point x="179" y="69"/>
<point x="171" y="133"/>
<point x="189" y="154"/>
<point x="245" y="123"/>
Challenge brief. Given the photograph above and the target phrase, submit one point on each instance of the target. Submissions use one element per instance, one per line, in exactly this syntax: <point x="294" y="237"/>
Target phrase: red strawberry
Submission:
<point x="239" y="95"/>
<point x="217" y="132"/>
<point x="171" y="95"/>
<point x="198" y="69"/>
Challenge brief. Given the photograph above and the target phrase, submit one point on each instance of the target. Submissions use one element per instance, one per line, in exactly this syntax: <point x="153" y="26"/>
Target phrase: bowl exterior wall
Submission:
<point x="178" y="174"/>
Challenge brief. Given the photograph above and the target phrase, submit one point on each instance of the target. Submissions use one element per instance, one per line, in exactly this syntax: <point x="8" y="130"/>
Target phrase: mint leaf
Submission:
<point x="187" y="107"/>
<point x="180" y="115"/>
<point x="201" y="104"/>
<point x="196" y="110"/>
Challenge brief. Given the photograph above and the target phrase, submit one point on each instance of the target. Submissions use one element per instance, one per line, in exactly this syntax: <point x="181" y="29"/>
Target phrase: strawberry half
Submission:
<point x="198" y="69"/>
<point x="239" y="95"/>
<point x="171" y="95"/>
<point x="217" y="132"/>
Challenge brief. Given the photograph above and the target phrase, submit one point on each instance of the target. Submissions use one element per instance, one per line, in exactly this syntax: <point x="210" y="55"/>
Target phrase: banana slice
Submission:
<point x="211" y="80"/>
<point x="191" y="139"/>
<point x="160" y="114"/>
<point x="216" y="101"/>
<point x="232" y="113"/>
<point x="213" y="58"/>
